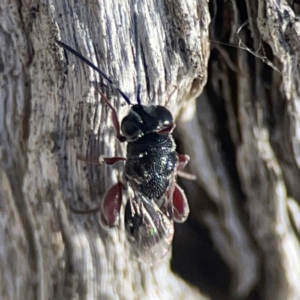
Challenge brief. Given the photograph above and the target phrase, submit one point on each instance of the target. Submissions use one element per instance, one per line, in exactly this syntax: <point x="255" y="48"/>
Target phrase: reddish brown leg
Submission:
<point x="167" y="130"/>
<point x="111" y="206"/>
<point x="88" y="160"/>
<point x="183" y="161"/>
<point x="107" y="160"/>
<point x="170" y="96"/>
<point x="181" y="208"/>
<point x="115" y="118"/>
<point x="112" y="160"/>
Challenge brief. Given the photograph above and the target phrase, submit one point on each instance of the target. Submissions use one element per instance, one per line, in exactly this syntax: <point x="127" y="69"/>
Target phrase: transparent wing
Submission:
<point x="148" y="229"/>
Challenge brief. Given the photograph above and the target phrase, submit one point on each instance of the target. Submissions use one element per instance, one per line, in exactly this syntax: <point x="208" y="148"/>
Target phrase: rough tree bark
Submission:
<point x="242" y="239"/>
<point x="50" y="114"/>
<point x="246" y="154"/>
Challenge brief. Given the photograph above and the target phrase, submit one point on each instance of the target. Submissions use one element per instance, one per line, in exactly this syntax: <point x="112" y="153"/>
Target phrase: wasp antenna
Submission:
<point x="138" y="94"/>
<point x="137" y="59"/>
<point x="89" y="63"/>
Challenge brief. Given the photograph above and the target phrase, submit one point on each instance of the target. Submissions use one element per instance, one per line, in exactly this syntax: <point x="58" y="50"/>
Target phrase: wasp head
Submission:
<point x="144" y="119"/>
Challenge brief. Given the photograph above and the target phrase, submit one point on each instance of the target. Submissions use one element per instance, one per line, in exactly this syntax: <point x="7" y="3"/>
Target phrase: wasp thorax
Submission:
<point x="143" y="119"/>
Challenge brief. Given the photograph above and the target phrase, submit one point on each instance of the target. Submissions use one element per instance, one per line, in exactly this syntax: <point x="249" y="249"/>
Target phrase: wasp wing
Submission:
<point x="148" y="229"/>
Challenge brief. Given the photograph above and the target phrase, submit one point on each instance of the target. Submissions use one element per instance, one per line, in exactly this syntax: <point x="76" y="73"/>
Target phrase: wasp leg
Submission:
<point x="181" y="208"/>
<point x="112" y="160"/>
<point x="167" y="130"/>
<point x="107" y="160"/>
<point x="186" y="175"/>
<point x="111" y="206"/>
<point x="183" y="161"/>
<point x="115" y="118"/>
<point x="170" y="96"/>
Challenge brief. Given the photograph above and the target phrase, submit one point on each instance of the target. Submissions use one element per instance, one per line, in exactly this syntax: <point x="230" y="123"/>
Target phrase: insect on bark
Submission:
<point x="149" y="178"/>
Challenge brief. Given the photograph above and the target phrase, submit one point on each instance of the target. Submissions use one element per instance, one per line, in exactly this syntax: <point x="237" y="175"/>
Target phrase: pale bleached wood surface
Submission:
<point x="241" y="134"/>
<point x="248" y="133"/>
<point x="50" y="113"/>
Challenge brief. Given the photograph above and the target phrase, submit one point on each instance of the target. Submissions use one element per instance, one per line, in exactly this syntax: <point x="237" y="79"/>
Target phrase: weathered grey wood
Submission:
<point x="50" y="114"/>
<point x="241" y="134"/>
<point x="246" y="148"/>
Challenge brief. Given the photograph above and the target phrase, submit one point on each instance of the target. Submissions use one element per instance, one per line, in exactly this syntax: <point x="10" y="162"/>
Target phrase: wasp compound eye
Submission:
<point x="131" y="126"/>
<point x="163" y="115"/>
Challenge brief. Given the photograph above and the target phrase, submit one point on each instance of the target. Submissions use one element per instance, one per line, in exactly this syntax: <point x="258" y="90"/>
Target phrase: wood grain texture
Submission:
<point x="242" y="239"/>
<point x="248" y="165"/>
<point x="50" y="114"/>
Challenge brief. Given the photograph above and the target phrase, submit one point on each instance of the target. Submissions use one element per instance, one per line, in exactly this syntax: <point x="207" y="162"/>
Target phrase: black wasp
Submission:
<point x="149" y="177"/>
